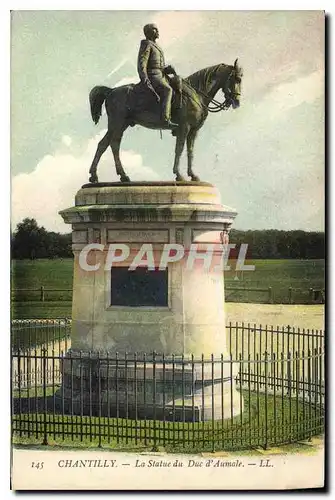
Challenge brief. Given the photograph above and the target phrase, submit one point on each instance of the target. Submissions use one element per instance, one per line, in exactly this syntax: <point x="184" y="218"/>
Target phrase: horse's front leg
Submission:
<point x="102" y="146"/>
<point x="180" y="142"/>
<point x="190" y="145"/>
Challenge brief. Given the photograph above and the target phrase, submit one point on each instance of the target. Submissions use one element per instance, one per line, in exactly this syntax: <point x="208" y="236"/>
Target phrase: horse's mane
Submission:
<point x="202" y="78"/>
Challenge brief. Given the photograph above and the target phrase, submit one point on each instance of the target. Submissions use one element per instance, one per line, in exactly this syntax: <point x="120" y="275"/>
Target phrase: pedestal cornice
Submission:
<point x="148" y="202"/>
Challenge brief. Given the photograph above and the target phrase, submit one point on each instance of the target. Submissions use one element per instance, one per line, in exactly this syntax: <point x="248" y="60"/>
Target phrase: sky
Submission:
<point x="266" y="158"/>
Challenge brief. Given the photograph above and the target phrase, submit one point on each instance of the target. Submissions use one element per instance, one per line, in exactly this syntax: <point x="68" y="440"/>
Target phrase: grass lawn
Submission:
<point x="41" y="310"/>
<point x="301" y="275"/>
<point x="50" y="273"/>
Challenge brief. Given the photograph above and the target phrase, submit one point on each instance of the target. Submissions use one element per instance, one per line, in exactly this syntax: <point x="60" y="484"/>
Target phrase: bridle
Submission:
<point x="214" y="105"/>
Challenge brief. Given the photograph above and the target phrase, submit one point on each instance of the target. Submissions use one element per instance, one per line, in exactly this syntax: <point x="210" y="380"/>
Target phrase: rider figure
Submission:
<point x="152" y="71"/>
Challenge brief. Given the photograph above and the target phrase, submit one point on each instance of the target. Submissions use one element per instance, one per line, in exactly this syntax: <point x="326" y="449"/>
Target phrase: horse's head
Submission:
<point x="232" y="86"/>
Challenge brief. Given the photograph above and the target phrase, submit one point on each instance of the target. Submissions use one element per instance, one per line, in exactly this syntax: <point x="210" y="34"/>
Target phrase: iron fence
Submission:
<point x="267" y="389"/>
<point x="28" y="334"/>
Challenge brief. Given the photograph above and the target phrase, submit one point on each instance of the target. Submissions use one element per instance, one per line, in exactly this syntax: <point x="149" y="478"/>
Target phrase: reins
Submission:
<point x="213" y="106"/>
<point x="216" y="105"/>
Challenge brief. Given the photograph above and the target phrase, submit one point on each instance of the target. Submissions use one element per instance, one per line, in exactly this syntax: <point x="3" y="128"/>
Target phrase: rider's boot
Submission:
<point x="166" y="112"/>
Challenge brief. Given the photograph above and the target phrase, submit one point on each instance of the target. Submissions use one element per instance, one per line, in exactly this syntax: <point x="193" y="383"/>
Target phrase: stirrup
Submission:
<point x="170" y="124"/>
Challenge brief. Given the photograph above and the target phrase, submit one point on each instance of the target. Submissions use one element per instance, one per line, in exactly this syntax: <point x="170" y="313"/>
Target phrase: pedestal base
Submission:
<point x="160" y="389"/>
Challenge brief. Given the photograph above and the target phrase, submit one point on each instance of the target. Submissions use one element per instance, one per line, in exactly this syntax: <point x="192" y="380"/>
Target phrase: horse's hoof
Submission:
<point x="93" y="179"/>
<point x="180" y="178"/>
<point x="125" y="178"/>
<point x="195" y="178"/>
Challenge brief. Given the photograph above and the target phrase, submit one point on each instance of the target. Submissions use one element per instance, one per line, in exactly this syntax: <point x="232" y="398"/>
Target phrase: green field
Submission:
<point x="301" y="275"/>
<point x="26" y="274"/>
<point x="282" y="274"/>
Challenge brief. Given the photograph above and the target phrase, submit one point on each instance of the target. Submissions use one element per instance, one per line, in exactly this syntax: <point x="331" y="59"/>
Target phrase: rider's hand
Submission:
<point x="170" y="70"/>
<point x="148" y="83"/>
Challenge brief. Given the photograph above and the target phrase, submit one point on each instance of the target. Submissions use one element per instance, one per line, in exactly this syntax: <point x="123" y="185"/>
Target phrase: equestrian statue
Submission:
<point x="163" y="100"/>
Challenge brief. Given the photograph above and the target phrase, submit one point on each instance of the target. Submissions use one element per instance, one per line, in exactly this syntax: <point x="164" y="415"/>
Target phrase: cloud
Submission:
<point x="66" y="140"/>
<point x="54" y="182"/>
<point x="256" y="112"/>
<point x="288" y="95"/>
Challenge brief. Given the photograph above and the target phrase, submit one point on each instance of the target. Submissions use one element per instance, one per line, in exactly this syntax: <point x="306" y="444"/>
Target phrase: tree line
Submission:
<point x="275" y="244"/>
<point x="31" y="241"/>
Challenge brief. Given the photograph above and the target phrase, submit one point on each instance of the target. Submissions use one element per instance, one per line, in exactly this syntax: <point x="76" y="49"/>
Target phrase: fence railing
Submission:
<point x="42" y="294"/>
<point x="267" y="389"/>
<point x="238" y="293"/>
<point x="273" y="294"/>
<point x="230" y="290"/>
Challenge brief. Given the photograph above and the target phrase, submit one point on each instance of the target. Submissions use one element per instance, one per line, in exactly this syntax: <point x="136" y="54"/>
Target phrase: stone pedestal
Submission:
<point x="177" y="311"/>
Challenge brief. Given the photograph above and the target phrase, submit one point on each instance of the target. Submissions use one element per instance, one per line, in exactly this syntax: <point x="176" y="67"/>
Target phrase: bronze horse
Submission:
<point x="198" y="98"/>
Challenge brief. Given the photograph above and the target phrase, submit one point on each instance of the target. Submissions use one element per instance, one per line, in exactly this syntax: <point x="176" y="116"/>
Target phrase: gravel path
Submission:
<point x="302" y="316"/>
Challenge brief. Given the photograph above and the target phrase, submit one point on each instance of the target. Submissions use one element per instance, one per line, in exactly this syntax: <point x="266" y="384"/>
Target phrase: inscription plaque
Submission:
<point x="139" y="288"/>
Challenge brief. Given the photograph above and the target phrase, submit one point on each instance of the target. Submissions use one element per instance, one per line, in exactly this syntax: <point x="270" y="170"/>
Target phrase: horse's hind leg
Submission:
<point x="115" y="142"/>
<point x="102" y="146"/>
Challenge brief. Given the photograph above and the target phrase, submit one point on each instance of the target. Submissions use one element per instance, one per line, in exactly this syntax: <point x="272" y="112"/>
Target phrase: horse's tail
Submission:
<point x="97" y="97"/>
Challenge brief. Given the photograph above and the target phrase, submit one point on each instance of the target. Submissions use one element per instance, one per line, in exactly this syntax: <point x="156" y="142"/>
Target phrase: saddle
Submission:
<point x="141" y="100"/>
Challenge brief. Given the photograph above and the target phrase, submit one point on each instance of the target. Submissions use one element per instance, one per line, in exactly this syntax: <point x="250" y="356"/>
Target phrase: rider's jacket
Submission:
<point x="150" y="60"/>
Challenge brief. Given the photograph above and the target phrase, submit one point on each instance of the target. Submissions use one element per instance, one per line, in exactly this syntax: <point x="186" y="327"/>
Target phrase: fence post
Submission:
<point x="266" y="399"/>
<point x="289" y="393"/>
<point x="19" y="381"/>
<point x="290" y="301"/>
<point x="270" y="295"/>
<point x="44" y="364"/>
<point x="311" y="291"/>
<point x="154" y="387"/>
<point x="42" y="293"/>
